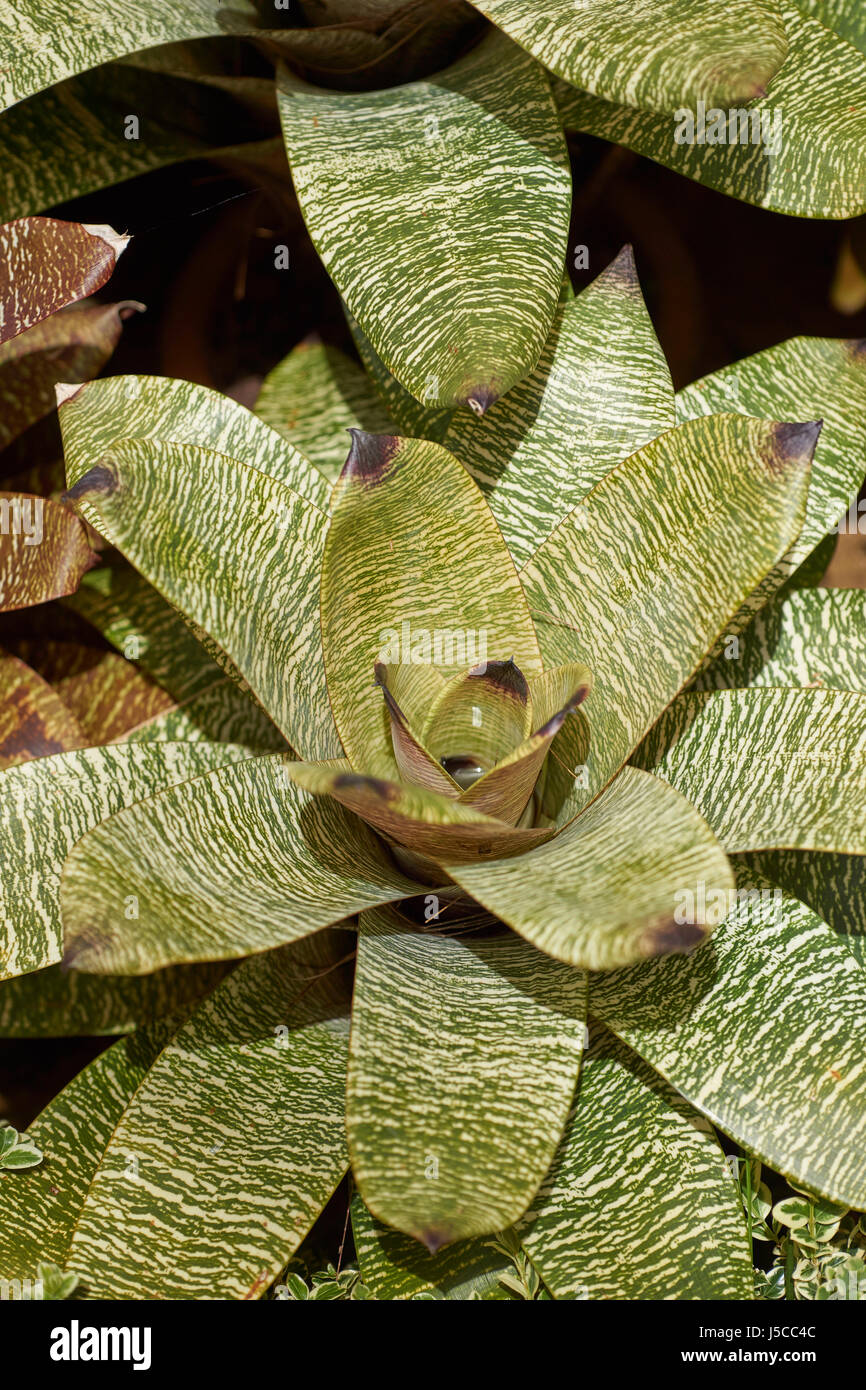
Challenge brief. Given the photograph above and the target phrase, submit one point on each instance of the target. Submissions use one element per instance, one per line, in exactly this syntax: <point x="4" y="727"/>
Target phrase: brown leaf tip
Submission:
<point x="369" y="457"/>
<point x="793" y="444"/>
<point x="671" y="936"/>
<point x="434" y="1238"/>
<point x="481" y="398"/>
<point x="622" y="270"/>
<point x="98" y="481"/>
<point x="357" y="781"/>
<point x="857" y="350"/>
<point x="556" y="721"/>
<point x="503" y="675"/>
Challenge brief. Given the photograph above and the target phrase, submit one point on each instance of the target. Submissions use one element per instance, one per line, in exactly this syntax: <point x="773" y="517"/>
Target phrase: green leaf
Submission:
<point x="255" y="863"/>
<point x="603" y="893"/>
<point x="600" y="390"/>
<point x="805" y="138"/>
<point x="223" y="714"/>
<point x="46" y="805"/>
<point x="639" y="1203"/>
<point x="39" y="1209"/>
<point x="659" y="55"/>
<point x="236" y="1137"/>
<point x="659" y="557"/>
<point x="413" y="559"/>
<point x="462" y="1064"/>
<point x="807" y="749"/>
<point x="56" y="1286"/>
<point x="238" y="552"/>
<point x="168" y="411"/>
<point x="44" y="550"/>
<point x="82" y="258"/>
<point x="833" y="885"/>
<point x="811" y="637"/>
<point x="314" y="397"/>
<point x="395" y="1267"/>
<point x="69" y="346"/>
<point x="465" y="214"/>
<point x="763" y="1032"/>
<point x="801" y="379"/>
<point x="59" y="1003"/>
<point x="36" y="52"/>
<point x="414" y="420"/>
<point x="34" y="721"/>
<point x="16" y="1150"/>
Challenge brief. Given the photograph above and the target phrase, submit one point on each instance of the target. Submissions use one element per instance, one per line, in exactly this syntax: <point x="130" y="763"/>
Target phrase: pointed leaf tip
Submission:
<point x="671" y="937"/>
<point x="622" y="270"/>
<point x="434" y="1240"/>
<point x="481" y="399"/>
<point x="98" y="480"/>
<point x="793" y="442"/>
<point x="369" y="457"/>
<point x="504" y="675"/>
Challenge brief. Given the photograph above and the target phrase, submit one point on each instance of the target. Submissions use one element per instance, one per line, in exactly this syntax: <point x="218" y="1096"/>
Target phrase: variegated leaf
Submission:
<point x="639" y="1203"/>
<point x="44" y="550"/>
<point x="659" y="54"/>
<point x="34" y="721"/>
<point x="600" y="390"/>
<point x="238" y="552"/>
<point x="603" y="893"/>
<point x="46" y="264"/>
<point x="255" y="863"/>
<point x="412" y="419"/>
<point x="833" y="885"/>
<point x="764" y="1031"/>
<point x="462" y="1063"/>
<point x="475" y="161"/>
<point x="46" y="805"/>
<point x="768" y="768"/>
<point x="797" y="150"/>
<point x="660" y="555"/>
<point x="395" y="1267"/>
<point x="60" y="1003"/>
<point x="232" y="1144"/>
<point x="223" y="713"/>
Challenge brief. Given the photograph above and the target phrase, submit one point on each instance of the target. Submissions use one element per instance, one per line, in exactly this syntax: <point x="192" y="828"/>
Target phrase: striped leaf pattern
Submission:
<point x="801" y="379"/>
<point x="612" y="574"/>
<point x="413" y="419"/>
<point x="763" y="1032"/>
<point x="638" y="1203"/>
<point x="561" y="895"/>
<point x="814" y="169"/>
<point x="221" y="714"/>
<point x="232" y="1144"/>
<point x="238" y="552"/>
<point x="395" y="1267"/>
<point x="459" y="1048"/>
<point x="314" y="397"/>
<point x="44" y="550"/>
<point x="465" y="211"/>
<point x="46" y="805"/>
<point x="36" y="52"/>
<point x="34" y="721"/>
<point x="805" y="755"/>
<point x="46" y="264"/>
<point x="256" y="863"/>
<point x="412" y="556"/>
<point x="60" y="1003"/>
<point x="833" y="885"/>
<point x="811" y="637"/>
<point x="600" y="390"/>
<point x="658" y="55"/>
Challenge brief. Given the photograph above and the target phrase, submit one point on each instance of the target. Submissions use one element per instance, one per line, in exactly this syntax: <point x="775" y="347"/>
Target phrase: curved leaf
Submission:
<point x="46" y="805"/>
<point x="255" y="863"/>
<point x="475" y="166"/>
<point x="395" y="1267"/>
<point x="232" y="1144"/>
<point x="462" y="1064"/>
<point x="660" y="555"/>
<point x="44" y="550"/>
<point x="600" y="390"/>
<point x="659" y="54"/>
<point x="34" y="721"/>
<point x="604" y="892"/>
<point x="81" y="258"/>
<point x="639" y="1203"/>
<point x="762" y="1031"/>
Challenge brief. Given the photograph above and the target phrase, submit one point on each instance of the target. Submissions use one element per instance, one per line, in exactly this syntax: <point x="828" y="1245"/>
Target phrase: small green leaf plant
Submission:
<point x="16" y="1150"/>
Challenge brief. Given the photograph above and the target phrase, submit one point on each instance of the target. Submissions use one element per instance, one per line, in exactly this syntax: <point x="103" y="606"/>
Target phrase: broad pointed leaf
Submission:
<point x="832" y="885"/>
<point x="34" y="721"/>
<point x="462" y="1064"/>
<point x="476" y="162"/>
<point x="660" y="54"/>
<point x="414" y="569"/>
<point x="412" y="419"/>
<point x="604" y="892"/>
<point x="805" y="752"/>
<point x="237" y="1140"/>
<point x="81" y="258"/>
<point x="314" y="397"/>
<point x="46" y="805"/>
<point x="660" y="555"/>
<point x="764" y="1031"/>
<point x="254" y="863"/>
<point x="44" y="550"/>
<point x="639" y="1202"/>
<point x="600" y="390"/>
<point x="797" y="150"/>
<point x="238" y="552"/>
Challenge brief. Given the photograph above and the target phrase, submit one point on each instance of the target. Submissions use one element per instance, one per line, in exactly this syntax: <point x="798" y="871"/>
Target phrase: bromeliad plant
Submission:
<point x="563" y="723"/>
